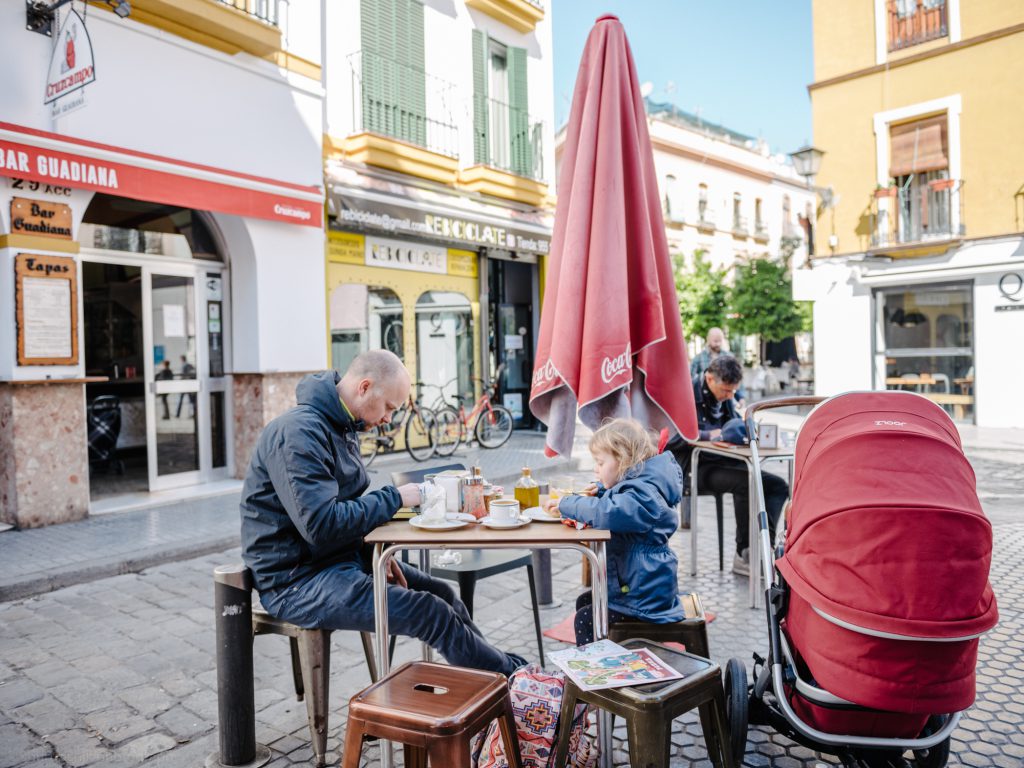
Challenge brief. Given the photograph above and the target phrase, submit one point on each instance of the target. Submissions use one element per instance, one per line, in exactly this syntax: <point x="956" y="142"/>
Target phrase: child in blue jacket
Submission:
<point x="635" y="500"/>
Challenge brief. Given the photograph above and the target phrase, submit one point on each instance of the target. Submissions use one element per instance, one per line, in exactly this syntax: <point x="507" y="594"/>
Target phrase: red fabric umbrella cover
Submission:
<point x="611" y="342"/>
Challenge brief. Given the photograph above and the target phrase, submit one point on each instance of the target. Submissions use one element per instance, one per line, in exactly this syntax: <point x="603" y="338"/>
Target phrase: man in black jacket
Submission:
<point x="713" y="393"/>
<point x="304" y="516"/>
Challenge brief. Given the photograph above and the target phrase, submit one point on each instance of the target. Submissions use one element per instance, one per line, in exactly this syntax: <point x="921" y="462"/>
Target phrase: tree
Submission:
<point x="702" y="294"/>
<point x="762" y="301"/>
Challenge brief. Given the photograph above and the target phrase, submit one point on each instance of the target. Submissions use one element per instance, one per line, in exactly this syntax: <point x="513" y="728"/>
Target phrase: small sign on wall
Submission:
<point x="40" y="218"/>
<point x="46" y="299"/>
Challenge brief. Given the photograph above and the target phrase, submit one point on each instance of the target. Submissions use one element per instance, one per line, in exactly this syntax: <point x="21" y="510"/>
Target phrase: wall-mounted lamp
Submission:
<point x="40" y="15"/>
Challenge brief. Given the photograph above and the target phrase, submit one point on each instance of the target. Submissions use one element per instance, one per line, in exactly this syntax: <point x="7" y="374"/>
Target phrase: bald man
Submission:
<point x="714" y="347"/>
<point x="305" y="513"/>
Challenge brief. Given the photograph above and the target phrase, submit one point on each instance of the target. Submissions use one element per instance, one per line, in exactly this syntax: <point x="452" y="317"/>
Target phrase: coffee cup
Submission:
<point x="505" y="510"/>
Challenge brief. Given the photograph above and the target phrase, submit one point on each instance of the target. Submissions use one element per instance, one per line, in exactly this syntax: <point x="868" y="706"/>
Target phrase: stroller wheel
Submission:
<point x="736" y="708"/>
<point x="937" y="756"/>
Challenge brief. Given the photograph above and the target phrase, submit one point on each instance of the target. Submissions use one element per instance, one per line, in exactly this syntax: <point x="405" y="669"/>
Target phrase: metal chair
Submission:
<point x="479" y="563"/>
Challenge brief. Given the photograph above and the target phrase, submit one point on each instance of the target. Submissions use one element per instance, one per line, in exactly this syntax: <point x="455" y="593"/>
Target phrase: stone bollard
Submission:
<point x="236" y="704"/>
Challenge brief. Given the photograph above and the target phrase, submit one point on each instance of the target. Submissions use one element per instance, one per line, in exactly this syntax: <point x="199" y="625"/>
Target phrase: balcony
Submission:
<point x="508" y="150"/>
<point x="912" y="22"/>
<point x="705" y="222"/>
<point x="760" y="232"/>
<point x="395" y="111"/>
<point x="918" y="218"/>
<point x="264" y="10"/>
<point x="521" y="15"/>
<point x="739" y="226"/>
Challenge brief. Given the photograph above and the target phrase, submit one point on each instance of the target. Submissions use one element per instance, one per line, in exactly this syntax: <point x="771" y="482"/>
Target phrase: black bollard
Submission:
<point x="236" y="705"/>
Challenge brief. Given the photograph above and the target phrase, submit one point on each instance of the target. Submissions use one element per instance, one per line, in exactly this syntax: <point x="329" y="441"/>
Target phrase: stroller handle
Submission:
<point x="775" y="402"/>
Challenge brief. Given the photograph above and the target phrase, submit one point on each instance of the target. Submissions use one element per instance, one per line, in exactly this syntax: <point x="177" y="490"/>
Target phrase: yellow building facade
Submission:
<point x="920" y="268"/>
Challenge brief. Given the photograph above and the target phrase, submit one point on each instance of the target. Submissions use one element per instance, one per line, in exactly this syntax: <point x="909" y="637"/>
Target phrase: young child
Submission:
<point x="635" y="500"/>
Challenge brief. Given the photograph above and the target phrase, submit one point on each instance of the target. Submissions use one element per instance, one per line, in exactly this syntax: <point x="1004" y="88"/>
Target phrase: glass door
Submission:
<point x="177" y="418"/>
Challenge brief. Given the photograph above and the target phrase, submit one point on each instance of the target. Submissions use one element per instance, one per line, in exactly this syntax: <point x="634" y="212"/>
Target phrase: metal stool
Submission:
<point x="650" y="709"/>
<point x="691" y="631"/>
<point x="434" y="710"/>
<point x="311" y="661"/>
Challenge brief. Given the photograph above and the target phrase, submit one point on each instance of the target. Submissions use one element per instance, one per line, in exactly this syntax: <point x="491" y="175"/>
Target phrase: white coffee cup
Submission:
<point x="505" y="510"/>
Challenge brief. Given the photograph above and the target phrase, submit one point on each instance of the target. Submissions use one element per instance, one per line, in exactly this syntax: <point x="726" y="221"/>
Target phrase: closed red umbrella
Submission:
<point x="611" y="343"/>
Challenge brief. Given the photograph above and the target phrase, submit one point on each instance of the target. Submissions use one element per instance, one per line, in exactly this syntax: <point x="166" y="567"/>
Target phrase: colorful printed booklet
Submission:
<point x="605" y="664"/>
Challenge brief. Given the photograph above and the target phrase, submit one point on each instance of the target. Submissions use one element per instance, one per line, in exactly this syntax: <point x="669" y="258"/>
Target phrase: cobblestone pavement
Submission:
<point x="121" y="671"/>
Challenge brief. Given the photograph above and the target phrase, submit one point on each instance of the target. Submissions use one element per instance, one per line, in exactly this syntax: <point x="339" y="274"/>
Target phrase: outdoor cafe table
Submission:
<point x="741" y="453"/>
<point x="395" y="536"/>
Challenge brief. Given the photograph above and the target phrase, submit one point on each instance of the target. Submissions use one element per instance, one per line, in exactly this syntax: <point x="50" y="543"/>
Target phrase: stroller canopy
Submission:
<point x="886" y="531"/>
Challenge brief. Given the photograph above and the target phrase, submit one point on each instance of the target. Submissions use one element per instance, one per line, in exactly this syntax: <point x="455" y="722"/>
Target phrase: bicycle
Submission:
<point x="420" y="432"/>
<point x="491" y="424"/>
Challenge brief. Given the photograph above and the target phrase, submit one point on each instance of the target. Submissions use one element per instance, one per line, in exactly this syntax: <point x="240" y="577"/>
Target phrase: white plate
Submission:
<point x="490" y="522"/>
<point x="440" y="525"/>
<point x="539" y="515"/>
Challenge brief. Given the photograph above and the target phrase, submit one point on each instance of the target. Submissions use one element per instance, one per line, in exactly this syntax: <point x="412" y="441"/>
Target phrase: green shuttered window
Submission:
<point x="501" y="129"/>
<point x="393" y="72"/>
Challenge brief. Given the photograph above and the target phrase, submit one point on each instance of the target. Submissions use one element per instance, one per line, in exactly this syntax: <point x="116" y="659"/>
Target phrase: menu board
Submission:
<point x="46" y="294"/>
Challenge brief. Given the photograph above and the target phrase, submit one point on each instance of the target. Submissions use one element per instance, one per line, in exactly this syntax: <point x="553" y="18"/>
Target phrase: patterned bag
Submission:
<point x="536" y="700"/>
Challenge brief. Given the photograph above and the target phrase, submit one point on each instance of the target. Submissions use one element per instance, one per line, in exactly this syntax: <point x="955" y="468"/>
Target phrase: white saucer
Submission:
<point x="540" y="516"/>
<point x="440" y="525"/>
<point x="490" y="522"/>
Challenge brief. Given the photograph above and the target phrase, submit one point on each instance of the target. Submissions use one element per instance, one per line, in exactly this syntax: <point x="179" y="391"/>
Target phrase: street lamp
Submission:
<point x="807" y="162"/>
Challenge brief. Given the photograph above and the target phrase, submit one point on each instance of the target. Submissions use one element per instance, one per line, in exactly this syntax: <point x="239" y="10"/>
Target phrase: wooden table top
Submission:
<point x="401" y="532"/>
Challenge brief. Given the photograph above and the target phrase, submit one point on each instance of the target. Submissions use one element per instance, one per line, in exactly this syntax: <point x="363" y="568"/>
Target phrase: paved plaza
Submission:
<point x="120" y="670"/>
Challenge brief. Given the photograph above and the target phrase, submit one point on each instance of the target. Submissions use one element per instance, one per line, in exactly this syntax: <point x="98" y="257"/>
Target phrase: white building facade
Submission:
<point x="439" y="162"/>
<point x="161" y="245"/>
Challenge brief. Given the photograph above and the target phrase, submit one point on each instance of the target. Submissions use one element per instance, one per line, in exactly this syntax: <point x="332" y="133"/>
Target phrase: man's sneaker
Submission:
<point x="741" y="563"/>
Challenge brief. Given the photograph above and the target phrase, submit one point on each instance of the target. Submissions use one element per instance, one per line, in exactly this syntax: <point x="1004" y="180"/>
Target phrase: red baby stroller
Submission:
<point x="880" y="591"/>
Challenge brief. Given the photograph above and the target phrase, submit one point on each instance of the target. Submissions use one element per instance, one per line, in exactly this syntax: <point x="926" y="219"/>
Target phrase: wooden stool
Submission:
<point x="650" y="709"/>
<point x="434" y="710"/>
<point x="691" y="631"/>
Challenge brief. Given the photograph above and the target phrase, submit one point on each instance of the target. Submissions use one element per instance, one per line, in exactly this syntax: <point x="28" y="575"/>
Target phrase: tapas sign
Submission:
<point x="46" y="297"/>
<point x="37" y="217"/>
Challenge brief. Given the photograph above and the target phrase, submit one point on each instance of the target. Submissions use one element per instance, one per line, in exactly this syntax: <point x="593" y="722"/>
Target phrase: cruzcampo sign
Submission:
<point x="71" y="64"/>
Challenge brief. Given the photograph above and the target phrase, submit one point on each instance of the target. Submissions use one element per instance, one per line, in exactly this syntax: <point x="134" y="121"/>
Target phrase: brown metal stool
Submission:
<point x="691" y="631"/>
<point x="650" y="709"/>
<point x="434" y="710"/>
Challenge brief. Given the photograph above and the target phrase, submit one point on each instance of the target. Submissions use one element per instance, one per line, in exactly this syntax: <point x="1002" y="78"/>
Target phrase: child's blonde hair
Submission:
<point x="626" y="441"/>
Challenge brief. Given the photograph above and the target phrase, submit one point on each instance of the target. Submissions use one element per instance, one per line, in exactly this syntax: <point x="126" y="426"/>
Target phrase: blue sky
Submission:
<point x="744" y="64"/>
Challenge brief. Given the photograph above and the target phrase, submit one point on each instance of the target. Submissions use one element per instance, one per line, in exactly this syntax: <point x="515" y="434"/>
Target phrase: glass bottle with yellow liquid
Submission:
<point x="527" y="492"/>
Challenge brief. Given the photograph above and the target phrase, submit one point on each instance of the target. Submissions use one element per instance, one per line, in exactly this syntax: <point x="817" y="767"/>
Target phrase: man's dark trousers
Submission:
<point x="724" y="475"/>
<point x="341" y="597"/>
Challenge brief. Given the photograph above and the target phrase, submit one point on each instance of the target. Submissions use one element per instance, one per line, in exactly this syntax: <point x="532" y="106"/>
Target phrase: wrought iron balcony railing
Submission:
<point x="507" y="138"/>
<point x="918" y="213"/>
<point x="916" y="21"/>
<point x="264" y="10"/>
<point x="393" y="99"/>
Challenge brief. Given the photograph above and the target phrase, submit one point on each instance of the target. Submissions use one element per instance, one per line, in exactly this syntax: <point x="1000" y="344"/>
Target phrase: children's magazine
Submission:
<point x="604" y="664"/>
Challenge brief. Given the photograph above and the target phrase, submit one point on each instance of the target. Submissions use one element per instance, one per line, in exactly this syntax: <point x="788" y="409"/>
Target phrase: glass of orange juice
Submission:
<point x="560" y="486"/>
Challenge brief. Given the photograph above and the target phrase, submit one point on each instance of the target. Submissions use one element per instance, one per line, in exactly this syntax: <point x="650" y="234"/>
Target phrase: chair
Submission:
<point x="479" y="563"/>
<point x="311" y="666"/>
<point x="719" y="512"/>
<point x="691" y="630"/>
<point x="434" y="710"/>
<point x="650" y="709"/>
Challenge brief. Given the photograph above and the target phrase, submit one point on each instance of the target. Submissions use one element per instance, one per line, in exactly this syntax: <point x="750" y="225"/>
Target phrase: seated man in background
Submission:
<point x="304" y="516"/>
<point x="713" y="349"/>
<point x="713" y="392"/>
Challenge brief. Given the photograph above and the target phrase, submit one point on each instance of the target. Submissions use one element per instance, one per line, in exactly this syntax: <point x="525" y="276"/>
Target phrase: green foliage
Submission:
<point x="762" y="301"/>
<point x="806" y="310"/>
<point x="702" y="294"/>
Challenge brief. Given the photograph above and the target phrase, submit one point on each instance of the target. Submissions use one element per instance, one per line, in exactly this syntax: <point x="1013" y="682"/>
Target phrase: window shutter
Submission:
<point x="481" y="141"/>
<point x="918" y="147"/>
<point x="393" y="78"/>
<point x="521" y="151"/>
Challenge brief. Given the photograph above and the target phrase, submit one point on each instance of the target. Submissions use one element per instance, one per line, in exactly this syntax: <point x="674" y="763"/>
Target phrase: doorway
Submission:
<point x="154" y="315"/>
<point x="513" y="290"/>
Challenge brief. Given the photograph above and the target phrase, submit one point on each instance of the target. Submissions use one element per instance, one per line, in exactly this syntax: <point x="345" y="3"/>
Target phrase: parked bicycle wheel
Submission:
<point x="369" y="445"/>
<point x="494" y="427"/>
<point x="421" y="433"/>
<point x="450" y="431"/>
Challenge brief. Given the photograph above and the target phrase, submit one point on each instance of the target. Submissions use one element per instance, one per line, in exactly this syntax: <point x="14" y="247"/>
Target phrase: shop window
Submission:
<point x="444" y="343"/>
<point x="364" y="317"/>
<point x="121" y="224"/>
<point x="925" y="344"/>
